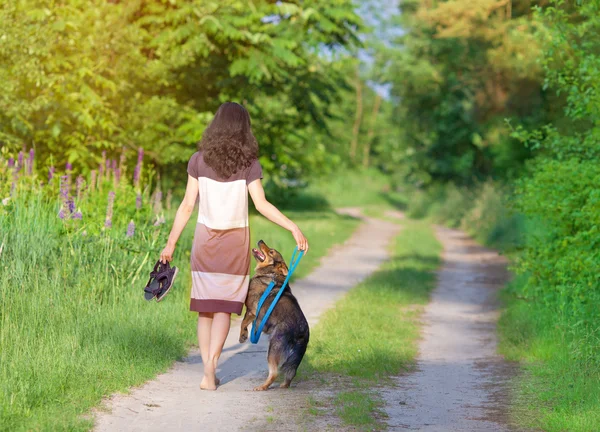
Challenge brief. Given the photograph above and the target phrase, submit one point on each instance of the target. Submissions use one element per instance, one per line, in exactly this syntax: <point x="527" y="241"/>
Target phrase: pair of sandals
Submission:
<point x="161" y="280"/>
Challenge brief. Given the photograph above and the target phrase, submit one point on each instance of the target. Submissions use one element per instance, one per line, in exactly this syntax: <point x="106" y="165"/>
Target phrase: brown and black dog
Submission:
<point x="287" y="326"/>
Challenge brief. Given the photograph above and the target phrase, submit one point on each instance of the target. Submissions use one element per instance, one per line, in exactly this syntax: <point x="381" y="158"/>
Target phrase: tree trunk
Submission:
<point x="371" y="133"/>
<point x="358" y="117"/>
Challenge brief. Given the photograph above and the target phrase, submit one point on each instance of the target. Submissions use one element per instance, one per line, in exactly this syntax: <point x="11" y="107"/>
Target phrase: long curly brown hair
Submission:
<point x="228" y="144"/>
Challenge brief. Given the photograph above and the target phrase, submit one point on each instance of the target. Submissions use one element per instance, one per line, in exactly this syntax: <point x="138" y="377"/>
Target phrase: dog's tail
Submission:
<point x="295" y="350"/>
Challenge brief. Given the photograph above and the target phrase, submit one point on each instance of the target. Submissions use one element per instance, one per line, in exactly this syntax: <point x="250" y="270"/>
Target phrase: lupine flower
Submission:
<point x="11" y="162"/>
<point x="50" y="173"/>
<point x="93" y="179"/>
<point x="138" y="201"/>
<point x="130" y="229"/>
<point x="138" y="168"/>
<point x="157" y="201"/>
<point x="79" y="186"/>
<point x="66" y="208"/>
<point x="30" y="162"/>
<point x="20" y="160"/>
<point x="122" y="159"/>
<point x="169" y="199"/>
<point x="136" y="174"/>
<point x="159" y="220"/>
<point x="69" y="167"/>
<point x="109" y="209"/>
<point x="64" y="187"/>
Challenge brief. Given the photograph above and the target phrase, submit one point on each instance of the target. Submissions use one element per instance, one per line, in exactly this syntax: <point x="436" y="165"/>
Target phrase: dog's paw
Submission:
<point x="243" y="337"/>
<point x="261" y="388"/>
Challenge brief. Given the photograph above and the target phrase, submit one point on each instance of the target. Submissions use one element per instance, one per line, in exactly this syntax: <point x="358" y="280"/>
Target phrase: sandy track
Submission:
<point x="460" y="382"/>
<point x="174" y="401"/>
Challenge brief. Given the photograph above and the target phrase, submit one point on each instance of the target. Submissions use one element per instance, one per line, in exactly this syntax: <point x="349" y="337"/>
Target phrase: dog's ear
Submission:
<point x="283" y="269"/>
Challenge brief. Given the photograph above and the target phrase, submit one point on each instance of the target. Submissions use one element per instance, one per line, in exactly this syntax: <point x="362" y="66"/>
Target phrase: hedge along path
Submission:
<point x="461" y="383"/>
<point x="174" y="401"/>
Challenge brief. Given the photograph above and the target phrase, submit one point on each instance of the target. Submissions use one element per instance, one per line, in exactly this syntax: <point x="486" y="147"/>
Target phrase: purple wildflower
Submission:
<point x="30" y="161"/>
<point x="122" y="159"/>
<point x="136" y="174"/>
<point x="20" y="160"/>
<point x="50" y="173"/>
<point x="130" y="229"/>
<point x="69" y="167"/>
<point x="118" y="175"/>
<point x="79" y="186"/>
<point x="138" y="201"/>
<point x="159" y="220"/>
<point x="67" y="204"/>
<point x="64" y="187"/>
<point x="114" y="164"/>
<point x="138" y="168"/>
<point x="77" y="215"/>
<point x="169" y="199"/>
<point x="157" y="201"/>
<point x="11" y="162"/>
<point x="109" y="209"/>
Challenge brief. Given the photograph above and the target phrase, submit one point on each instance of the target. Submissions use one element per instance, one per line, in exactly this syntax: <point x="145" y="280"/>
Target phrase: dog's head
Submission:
<point x="269" y="261"/>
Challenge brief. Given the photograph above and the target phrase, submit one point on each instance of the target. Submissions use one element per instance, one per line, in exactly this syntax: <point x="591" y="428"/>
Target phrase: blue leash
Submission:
<point x="255" y="333"/>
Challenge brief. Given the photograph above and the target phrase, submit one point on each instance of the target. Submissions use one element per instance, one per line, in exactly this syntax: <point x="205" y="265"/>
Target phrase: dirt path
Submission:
<point x="174" y="401"/>
<point x="460" y="383"/>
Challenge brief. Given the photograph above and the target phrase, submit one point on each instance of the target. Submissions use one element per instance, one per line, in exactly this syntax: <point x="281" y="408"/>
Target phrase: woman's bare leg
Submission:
<point x="219" y="331"/>
<point x="205" y="322"/>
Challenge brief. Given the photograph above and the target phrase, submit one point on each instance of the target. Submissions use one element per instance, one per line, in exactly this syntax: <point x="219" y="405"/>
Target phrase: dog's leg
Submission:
<point x="248" y="318"/>
<point x="273" y="360"/>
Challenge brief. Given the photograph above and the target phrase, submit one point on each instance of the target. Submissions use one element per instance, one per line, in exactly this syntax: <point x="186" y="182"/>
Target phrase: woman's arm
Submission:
<point x="181" y="218"/>
<point x="271" y="212"/>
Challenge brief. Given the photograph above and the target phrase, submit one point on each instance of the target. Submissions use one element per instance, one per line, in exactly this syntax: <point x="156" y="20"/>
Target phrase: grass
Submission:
<point x="372" y="332"/>
<point x="74" y="325"/>
<point x="559" y="387"/>
<point x="368" y="189"/>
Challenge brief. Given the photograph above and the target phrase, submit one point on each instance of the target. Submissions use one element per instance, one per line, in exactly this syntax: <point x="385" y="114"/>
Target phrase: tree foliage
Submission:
<point x="461" y="69"/>
<point x="78" y="77"/>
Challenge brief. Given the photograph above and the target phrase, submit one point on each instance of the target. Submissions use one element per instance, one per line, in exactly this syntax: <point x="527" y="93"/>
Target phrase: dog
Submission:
<point x="287" y="326"/>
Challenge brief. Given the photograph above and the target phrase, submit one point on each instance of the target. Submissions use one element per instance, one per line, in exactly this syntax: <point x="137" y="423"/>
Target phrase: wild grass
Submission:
<point x="368" y="189"/>
<point x="74" y="325"/>
<point x="559" y="387"/>
<point x="372" y="332"/>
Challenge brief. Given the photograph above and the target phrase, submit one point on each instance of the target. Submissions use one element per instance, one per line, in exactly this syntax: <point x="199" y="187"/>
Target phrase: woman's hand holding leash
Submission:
<point x="300" y="239"/>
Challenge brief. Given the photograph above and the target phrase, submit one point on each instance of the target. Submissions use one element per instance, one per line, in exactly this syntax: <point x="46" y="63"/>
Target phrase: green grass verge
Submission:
<point x="368" y="189"/>
<point x="559" y="387"/>
<point x="74" y="325"/>
<point x="372" y="333"/>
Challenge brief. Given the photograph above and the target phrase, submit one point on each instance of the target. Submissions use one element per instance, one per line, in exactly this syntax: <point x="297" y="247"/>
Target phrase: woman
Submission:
<point x="222" y="172"/>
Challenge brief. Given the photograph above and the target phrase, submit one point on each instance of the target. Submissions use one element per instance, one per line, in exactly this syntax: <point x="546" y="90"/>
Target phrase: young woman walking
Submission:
<point x="221" y="174"/>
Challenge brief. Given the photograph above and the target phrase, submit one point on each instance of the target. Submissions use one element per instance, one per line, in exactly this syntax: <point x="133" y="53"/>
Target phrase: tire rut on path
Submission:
<point x="174" y="401"/>
<point x="460" y="383"/>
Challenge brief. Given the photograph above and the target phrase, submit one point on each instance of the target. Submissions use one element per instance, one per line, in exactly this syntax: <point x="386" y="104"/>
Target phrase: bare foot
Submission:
<point x="208" y="384"/>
